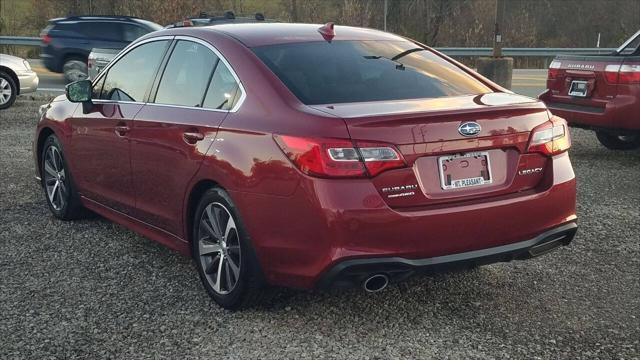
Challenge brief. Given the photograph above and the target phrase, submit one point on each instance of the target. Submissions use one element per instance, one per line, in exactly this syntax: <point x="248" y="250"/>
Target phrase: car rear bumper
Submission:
<point x="351" y="273"/>
<point x="327" y="222"/>
<point x="617" y="114"/>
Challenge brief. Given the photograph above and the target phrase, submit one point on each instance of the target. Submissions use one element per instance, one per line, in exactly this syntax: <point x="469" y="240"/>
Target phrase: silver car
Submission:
<point x="16" y="77"/>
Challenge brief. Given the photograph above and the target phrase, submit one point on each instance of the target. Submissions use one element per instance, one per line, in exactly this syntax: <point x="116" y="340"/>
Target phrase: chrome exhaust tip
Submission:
<point x="375" y="283"/>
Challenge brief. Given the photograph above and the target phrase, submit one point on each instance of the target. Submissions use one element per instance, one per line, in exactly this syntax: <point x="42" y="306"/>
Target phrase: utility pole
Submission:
<point x="386" y="5"/>
<point x="497" y="68"/>
<point x="497" y="36"/>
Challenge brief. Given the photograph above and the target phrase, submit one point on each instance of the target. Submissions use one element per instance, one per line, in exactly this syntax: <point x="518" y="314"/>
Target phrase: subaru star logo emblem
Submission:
<point x="469" y="129"/>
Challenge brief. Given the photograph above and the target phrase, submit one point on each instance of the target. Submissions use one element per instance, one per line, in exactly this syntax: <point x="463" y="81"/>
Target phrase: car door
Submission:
<point x="100" y="133"/>
<point x="172" y="133"/>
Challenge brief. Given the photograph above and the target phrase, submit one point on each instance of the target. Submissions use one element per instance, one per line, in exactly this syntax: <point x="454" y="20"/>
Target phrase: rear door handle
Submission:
<point x="122" y="130"/>
<point x="192" y="137"/>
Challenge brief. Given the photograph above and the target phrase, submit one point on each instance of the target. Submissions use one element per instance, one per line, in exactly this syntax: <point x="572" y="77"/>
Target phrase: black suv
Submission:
<point x="67" y="42"/>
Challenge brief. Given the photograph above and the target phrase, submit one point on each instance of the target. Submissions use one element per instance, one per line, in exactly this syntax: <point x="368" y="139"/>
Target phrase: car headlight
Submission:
<point x="26" y="64"/>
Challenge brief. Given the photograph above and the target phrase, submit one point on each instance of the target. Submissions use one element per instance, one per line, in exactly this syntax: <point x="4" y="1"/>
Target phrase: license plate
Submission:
<point x="578" y="88"/>
<point x="464" y="170"/>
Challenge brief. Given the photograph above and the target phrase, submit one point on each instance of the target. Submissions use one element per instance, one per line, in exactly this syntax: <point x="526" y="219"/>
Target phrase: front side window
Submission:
<point x="186" y="75"/>
<point x="361" y="71"/>
<point x="130" y="77"/>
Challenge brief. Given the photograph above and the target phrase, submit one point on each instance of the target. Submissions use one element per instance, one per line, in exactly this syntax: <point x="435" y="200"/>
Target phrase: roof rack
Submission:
<point x="95" y="17"/>
<point x="228" y="17"/>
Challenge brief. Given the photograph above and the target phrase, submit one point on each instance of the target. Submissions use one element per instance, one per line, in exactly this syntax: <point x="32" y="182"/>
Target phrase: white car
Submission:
<point x="16" y="77"/>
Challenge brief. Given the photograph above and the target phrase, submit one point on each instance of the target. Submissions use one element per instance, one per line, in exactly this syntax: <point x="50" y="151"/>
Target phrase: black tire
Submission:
<point x="66" y="204"/>
<point x="74" y="69"/>
<point x="615" y="141"/>
<point x="249" y="288"/>
<point x="7" y="84"/>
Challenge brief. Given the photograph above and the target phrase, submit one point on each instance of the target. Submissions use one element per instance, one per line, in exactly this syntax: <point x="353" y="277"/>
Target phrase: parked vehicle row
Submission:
<point x="67" y="42"/>
<point x="308" y="156"/>
<point x="16" y="77"/>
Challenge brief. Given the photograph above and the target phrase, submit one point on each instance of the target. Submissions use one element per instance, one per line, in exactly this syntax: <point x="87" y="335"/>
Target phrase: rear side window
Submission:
<point x="130" y="77"/>
<point x="361" y="71"/>
<point x="100" y="30"/>
<point x="186" y="75"/>
<point x="223" y="92"/>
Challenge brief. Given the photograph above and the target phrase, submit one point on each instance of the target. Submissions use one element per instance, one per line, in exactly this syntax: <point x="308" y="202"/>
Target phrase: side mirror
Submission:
<point x="79" y="91"/>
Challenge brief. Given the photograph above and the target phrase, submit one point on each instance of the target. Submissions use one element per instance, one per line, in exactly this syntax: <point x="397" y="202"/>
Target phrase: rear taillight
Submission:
<point x="46" y="39"/>
<point x="622" y="74"/>
<point x="629" y="74"/>
<point x="550" y="138"/>
<point x="339" y="157"/>
<point x="554" y="69"/>
<point x="611" y="73"/>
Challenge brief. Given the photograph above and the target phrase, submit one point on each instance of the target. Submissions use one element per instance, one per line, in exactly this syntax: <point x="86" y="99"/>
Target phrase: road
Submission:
<point x="529" y="82"/>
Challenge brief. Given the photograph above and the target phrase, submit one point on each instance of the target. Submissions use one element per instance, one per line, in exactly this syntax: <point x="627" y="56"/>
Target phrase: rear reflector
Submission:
<point x="332" y="158"/>
<point x="550" y="138"/>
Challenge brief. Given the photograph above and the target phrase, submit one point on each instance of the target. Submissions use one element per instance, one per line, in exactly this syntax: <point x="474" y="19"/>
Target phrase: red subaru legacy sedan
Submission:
<point x="308" y="156"/>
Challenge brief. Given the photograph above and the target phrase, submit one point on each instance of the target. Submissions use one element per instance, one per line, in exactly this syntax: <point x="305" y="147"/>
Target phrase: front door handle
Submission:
<point x="192" y="137"/>
<point x="122" y="130"/>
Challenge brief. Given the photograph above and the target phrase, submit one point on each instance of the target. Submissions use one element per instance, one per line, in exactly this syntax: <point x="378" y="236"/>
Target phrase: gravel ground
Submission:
<point x="92" y="289"/>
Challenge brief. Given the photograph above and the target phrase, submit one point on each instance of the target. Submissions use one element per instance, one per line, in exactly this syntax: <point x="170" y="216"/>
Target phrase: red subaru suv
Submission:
<point x="308" y="156"/>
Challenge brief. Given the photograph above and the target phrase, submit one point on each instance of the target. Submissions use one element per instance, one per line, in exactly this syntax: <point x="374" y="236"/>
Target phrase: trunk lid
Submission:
<point x="426" y="132"/>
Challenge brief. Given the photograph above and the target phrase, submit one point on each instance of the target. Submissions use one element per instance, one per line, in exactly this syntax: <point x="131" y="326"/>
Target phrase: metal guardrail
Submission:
<point x="523" y="52"/>
<point x="20" y="40"/>
<point x="451" y="51"/>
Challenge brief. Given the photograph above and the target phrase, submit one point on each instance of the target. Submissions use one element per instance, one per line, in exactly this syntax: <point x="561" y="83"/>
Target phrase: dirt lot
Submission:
<point x="92" y="289"/>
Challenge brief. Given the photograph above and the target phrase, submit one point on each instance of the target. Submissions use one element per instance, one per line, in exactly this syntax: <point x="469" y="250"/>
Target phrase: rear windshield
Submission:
<point x="630" y="47"/>
<point x="360" y="71"/>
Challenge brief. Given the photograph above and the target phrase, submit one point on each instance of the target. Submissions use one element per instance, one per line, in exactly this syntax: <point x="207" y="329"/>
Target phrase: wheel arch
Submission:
<point x="74" y="55"/>
<point x="13" y="75"/>
<point x="42" y="136"/>
<point x="192" y="203"/>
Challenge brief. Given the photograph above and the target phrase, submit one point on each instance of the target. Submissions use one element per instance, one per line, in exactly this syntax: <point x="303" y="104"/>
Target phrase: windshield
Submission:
<point x="361" y="71"/>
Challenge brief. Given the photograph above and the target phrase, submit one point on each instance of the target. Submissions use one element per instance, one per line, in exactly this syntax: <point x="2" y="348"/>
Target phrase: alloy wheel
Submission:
<point x="55" y="178"/>
<point x="75" y="70"/>
<point x="5" y="91"/>
<point x="219" y="248"/>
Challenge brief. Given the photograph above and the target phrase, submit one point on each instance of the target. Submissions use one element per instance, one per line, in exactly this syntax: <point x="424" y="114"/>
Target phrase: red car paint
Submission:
<point x="613" y="88"/>
<point x="132" y="164"/>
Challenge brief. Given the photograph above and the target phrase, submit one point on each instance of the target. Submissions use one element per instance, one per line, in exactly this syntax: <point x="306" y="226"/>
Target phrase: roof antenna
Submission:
<point x="327" y="32"/>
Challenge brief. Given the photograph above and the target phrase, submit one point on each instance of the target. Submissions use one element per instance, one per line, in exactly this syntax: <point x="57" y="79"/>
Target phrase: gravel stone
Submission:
<point x="93" y="289"/>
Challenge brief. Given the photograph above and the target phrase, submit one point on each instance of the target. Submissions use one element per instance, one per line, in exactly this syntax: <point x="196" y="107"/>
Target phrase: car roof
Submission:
<point x="260" y="34"/>
<point x="95" y="18"/>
